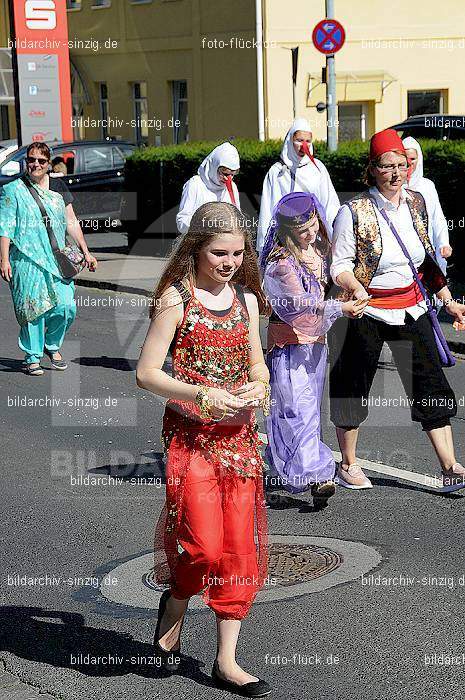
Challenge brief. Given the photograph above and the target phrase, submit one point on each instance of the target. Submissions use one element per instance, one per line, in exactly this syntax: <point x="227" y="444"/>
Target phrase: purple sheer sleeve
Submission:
<point x="303" y="309"/>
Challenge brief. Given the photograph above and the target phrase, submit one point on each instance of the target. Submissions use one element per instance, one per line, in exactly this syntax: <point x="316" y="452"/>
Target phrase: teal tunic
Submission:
<point x="36" y="279"/>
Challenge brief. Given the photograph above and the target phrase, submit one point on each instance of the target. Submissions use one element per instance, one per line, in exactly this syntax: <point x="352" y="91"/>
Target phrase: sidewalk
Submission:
<point x="138" y="274"/>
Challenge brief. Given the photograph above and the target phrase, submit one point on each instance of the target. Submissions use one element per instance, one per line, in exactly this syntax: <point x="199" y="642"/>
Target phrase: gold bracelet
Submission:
<point x="218" y="420"/>
<point x="202" y="400"/>
<point x="266" y="401"/>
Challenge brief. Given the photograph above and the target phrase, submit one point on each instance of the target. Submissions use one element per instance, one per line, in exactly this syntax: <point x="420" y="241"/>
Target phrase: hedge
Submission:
<point x="157" y="175"/>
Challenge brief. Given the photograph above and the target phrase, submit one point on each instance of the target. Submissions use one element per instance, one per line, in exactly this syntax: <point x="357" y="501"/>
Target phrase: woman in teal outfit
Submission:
<point x="43" y="301"/>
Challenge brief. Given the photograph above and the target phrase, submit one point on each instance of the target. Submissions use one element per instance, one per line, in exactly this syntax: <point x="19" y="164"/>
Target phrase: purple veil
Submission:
<point x="294" y="208"/>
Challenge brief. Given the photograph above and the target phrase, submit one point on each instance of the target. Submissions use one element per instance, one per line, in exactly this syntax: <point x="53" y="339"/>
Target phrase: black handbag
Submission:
<point x="70" y="259"/>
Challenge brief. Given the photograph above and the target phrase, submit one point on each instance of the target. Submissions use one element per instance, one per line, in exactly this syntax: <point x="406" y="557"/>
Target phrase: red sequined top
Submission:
<point x="213" y="351"/>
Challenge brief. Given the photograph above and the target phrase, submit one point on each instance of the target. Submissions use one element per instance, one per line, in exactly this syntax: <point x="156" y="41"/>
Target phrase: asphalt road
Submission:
<point x="94" y="421"/>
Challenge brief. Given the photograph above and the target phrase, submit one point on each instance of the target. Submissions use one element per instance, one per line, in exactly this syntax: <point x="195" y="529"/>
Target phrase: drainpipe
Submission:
<point x="260" y="84"/>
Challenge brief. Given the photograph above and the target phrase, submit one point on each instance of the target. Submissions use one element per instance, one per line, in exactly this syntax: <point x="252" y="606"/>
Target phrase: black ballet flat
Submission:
<point x="170" y="659"/>
<point x="321" y="492"/>
<point x="255" y="689"/>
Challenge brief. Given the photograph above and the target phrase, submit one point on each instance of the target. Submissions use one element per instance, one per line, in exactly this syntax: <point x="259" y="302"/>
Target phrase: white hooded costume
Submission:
<point x="206" y="187"/>
<point x="296" y="174"/>
<point x="437" y="225"/>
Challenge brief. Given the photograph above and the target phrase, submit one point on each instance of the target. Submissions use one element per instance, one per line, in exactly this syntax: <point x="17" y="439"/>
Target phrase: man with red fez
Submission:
<point x="368" y="261"/>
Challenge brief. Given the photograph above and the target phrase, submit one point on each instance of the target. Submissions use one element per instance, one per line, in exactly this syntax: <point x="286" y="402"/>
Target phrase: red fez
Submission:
<point x="384" y="141"/>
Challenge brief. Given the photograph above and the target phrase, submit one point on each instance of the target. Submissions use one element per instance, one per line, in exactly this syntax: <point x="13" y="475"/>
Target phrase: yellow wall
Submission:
<point x="417" y="23"/>
<point x="162" y="41"/>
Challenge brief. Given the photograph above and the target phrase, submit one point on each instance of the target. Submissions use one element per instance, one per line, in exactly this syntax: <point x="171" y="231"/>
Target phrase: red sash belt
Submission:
<point x="400" y="298"/>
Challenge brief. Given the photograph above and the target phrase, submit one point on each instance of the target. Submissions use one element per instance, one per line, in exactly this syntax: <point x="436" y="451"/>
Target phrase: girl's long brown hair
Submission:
<point x="210" y="220"/>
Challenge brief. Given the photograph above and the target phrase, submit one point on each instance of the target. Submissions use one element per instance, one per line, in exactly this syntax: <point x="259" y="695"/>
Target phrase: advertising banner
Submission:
<point x="41" y="42"/>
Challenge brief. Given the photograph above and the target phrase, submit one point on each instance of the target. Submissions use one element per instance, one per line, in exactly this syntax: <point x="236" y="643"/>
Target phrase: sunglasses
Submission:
<point x="41" y="161"/>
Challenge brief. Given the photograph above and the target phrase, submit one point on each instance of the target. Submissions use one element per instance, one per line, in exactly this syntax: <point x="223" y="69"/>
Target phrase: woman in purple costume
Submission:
<point x="295" y="264"/>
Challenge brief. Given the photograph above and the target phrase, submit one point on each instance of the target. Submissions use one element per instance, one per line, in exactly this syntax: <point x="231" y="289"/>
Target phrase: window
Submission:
<point x="73" y="4"/>
<point x="100" y="3"/>
<point x="425" y="102"/>
<point x="120" y="153"/>
<point x="66" y="157"/>
<point x="4" y="123"/>
<point x="103" y="94"/>
<point x="6" y="76"/>
<point x="141" y="131"/>
<point x="352" y="119"/>
<point x="97" y="159"/>
<point x="180" y="112"/>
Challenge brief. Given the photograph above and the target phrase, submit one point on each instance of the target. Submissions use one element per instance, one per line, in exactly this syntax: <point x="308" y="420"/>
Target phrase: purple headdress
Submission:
<point x="294" y="209"/>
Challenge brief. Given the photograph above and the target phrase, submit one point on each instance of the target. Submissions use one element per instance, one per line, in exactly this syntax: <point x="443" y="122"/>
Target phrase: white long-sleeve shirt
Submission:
<point x="393" y="270"/>
<point x="438" y="231"/>
<point x="194" y="194"/>
<point x="279" y="181"/>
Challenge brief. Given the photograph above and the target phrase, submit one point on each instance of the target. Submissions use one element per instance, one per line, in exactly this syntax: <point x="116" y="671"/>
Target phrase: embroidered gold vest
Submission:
<point x="367" y="232"/>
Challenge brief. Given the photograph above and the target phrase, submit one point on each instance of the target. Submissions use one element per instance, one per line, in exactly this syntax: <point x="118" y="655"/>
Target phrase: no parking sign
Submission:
<point x="328" y="36"/>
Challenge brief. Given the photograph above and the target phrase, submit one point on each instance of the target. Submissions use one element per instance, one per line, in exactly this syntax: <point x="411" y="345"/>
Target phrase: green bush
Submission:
<point x="157" y="175"/>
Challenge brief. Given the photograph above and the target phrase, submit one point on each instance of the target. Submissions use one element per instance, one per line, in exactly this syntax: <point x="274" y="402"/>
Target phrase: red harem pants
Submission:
<point x="216" y="533"/>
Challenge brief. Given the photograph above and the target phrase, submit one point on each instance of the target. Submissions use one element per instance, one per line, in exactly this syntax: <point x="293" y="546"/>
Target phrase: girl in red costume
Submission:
<point x="212" y="532"/>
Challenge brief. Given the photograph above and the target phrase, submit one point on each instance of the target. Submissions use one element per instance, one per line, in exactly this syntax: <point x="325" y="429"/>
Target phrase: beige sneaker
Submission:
<point x="352" y="477"/>
<point x="455" y="476"/>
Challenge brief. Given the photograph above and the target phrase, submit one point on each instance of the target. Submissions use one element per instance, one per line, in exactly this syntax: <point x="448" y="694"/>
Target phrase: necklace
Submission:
<point x="313" y="262"/>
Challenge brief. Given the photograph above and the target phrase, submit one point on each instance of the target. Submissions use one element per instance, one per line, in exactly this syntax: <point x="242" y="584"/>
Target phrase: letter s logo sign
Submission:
<point x="40" y="14"/>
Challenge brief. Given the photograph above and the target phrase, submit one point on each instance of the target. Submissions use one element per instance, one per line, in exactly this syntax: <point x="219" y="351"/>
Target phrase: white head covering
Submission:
<point x="288" y="154"/>
<point x="417" y="175"/>
<point x="226" y="155"/>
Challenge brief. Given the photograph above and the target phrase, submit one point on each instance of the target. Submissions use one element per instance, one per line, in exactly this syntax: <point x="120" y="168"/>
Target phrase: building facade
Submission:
<point x="167" y="71"/>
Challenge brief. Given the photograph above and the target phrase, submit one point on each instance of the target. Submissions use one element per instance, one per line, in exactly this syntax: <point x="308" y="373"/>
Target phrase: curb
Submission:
<point x="112" y="287"/>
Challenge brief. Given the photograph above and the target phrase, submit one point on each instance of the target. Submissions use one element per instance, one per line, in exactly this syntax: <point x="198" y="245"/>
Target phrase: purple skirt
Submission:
<point x="295" y="449"/>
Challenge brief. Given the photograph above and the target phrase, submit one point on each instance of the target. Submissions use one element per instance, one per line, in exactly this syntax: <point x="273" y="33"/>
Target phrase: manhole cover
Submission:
<point x="288" y="564"/>
<point x="291" y="564"/>
<point x="298" y="565"/>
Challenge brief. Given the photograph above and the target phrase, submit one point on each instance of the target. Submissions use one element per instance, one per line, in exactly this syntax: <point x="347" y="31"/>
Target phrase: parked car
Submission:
<point x="432" y="126"/>
<point x="7" y="147"/>
<point x="95" y="175"/>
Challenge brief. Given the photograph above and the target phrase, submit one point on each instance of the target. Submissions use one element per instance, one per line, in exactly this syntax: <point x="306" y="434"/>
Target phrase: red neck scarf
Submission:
<point x="229" y="187"/>
<point x="307" y="151"/>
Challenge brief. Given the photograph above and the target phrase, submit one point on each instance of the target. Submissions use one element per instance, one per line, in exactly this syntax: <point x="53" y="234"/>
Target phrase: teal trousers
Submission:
<point x="48" y="330"/>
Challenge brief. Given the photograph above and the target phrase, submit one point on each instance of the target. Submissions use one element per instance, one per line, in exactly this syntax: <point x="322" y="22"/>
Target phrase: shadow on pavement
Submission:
<point x="136" y="470"/>
<point x="8" y="364"/>
<point x="119" y="363"/>
<point x="63" y="640"/>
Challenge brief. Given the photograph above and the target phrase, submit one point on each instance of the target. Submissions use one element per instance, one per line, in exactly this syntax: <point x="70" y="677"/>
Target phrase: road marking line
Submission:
<point x="431" y="481"/>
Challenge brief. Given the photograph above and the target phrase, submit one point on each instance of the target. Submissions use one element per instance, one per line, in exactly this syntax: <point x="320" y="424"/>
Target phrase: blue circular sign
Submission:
<point x="328" y="36"/>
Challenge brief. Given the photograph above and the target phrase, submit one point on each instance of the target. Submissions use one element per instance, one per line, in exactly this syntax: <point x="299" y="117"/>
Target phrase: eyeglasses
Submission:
<point x="227" y="173"/>
<point x="41" y="161"/>
<point x="391" y="168"/>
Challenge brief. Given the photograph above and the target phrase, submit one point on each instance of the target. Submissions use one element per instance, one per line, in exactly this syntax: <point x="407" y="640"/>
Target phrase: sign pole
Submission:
<point x="331" y="90"/>
<point x="14" y="65"/>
